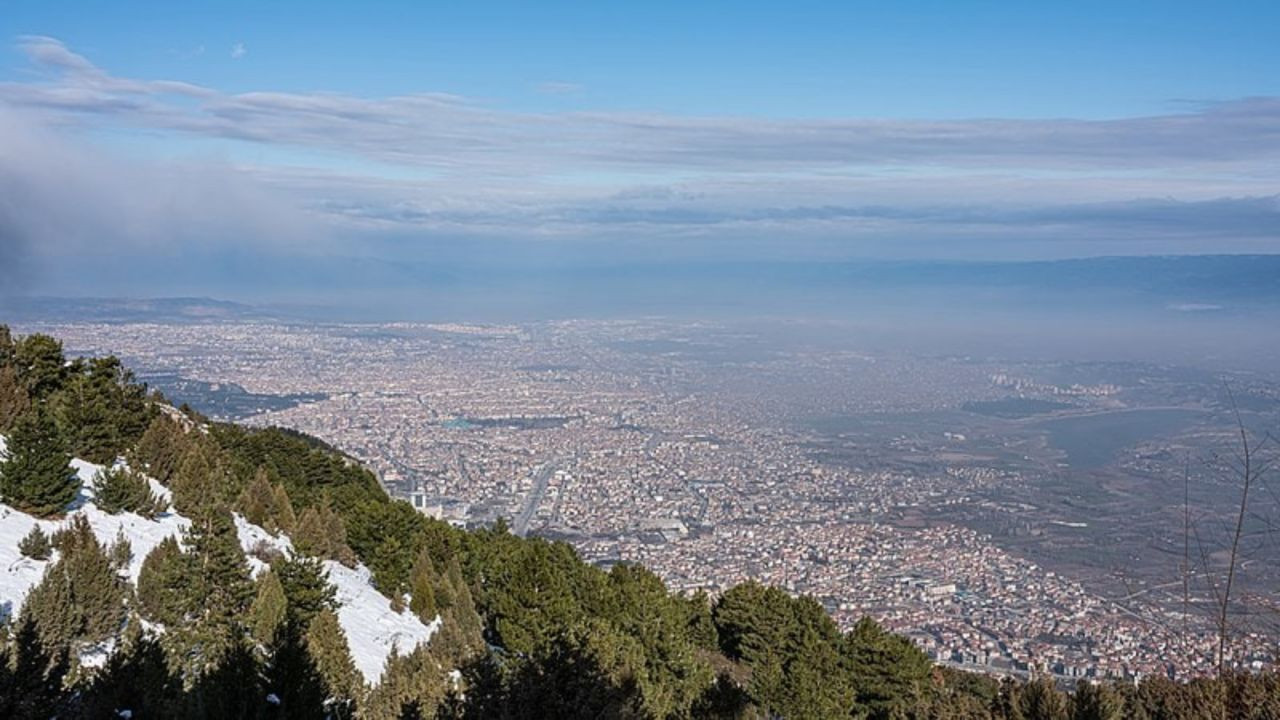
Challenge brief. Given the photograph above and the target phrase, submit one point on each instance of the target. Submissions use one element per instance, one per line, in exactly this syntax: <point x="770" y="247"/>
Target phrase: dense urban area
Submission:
<point x="998" y="512"/>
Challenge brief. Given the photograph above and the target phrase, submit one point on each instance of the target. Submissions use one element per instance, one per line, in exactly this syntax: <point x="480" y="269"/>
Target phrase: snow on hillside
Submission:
<point x="373" y="629"/>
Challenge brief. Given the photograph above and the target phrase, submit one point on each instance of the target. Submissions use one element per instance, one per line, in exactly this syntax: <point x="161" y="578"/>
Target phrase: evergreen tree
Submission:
<point x="671" y="677"/>
<point x="320" y="532"/>
<point x="292" y="672"/>
<point x="31" y="676"/>
<point x="285" y="519"/>
<point x="135" y="679"/>
<point x="84" y="415"/>
<point x="161" y="448"/>
<point x="587" y="671"/>
<point x="1008" y="703"/>
<point x="13" y="397"/>
<point x="292" y="677"/>
<point x="306" y="588"/>
<point x="256" y="503"/>
<point x="166" y="591"/>
<point x="267" y="613"/>
<point x="266" y="504"/>
<point x="50" y="609"/>
<point x="1040" y="700"/>
<point x="121" y="489"/>
<point x="888" y="672"/>
<point x="415" y="681"/>
<point x="422" y="587"/>
<point x="80" y="599"/>
<point x="222" y="588"/>
<point x="121" y="552"/>
<point x="40" y="365"/>
<point x="201" y="482"/>
<point x="229" y="685"/>
<point x="464" y="613"/>
<point x="36" y="544"/>
<point x="7" y="347"/>
<point x="36" y="475"/>
<point x="327" y="646"/>
<point x="1096" y="702"/>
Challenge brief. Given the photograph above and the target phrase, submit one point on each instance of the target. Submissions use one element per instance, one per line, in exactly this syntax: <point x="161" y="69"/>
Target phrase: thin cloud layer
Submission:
<point x="414" y="176"/>
<point x="446" y="131"/>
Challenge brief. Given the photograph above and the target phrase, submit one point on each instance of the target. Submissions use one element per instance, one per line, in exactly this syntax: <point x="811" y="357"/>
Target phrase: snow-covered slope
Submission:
<point x="373" y="629"/>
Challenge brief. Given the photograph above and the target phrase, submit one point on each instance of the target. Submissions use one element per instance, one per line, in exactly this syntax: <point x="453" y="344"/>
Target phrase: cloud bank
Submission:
<point x="428" y="176"/>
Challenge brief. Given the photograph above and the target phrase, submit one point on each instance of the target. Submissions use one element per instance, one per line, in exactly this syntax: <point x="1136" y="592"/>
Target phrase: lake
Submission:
<point x="1092" y="441"/>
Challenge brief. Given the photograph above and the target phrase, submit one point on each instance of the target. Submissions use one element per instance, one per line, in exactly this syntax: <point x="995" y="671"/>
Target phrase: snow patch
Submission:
<point x="372" y="628"/>
<point x="19" y="574"/>
<point x="253" y="537"/>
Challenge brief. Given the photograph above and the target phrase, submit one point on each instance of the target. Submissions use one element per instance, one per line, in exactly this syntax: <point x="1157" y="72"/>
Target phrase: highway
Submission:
<point x="541" y="477"/>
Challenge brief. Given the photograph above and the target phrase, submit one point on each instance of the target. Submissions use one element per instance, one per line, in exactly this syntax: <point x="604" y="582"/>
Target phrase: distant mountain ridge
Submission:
<point x="514" y="290"/>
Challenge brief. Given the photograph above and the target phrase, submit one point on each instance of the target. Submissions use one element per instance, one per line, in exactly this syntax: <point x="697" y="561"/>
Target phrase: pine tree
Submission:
<point x="50" y="609"/>
<point x="13" y="397"/>
<point x="422" y="587"/>
<point x="1040" y="700"/>
<point x="7" y="347"/>
<point x="131" y="409"/>
<point x="285" y="517"/>
<point x="161" y="448"/>
<point x="165" y="584"/>
<point x="200" y="484"/>
<point x="1096" y="702"/>
<point x="292" y="673"/>
<point x="121" y="551"/>
<point x="309" y="534"/>
<point x="335" y="528"/>
<point x="415" y="680"/>
<point x="1008" y="702"/>
<point x="80" y="599"/>
<point x="257" y="501"/>
<point x="292" y="676"/>
<point x="83" y="412"/>
<point x="36" y="475"/>
<point x="888" y="671"/>
<point x="121" y="489"/>
<point x="266" y="504"/>
<point x="391" y="564"/>
<point x="327" y="646"/>
<point x="40" y="364"/>
<point x="267" y="613"/>
<point x="320" y="532"/>
<point x="222" y="590"/>
<point x="464" y="608"/>
<point x="136" y="679"/>
<point x="36" y="545"/>
<point x="228" y="685"/>
<point x="306" y="588"/>
<point x="97" y="589"/>
<point x="31" y="676"/>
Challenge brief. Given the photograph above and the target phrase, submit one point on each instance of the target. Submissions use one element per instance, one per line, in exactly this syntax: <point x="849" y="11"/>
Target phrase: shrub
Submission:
<point x="36" y="545"/>
<point x="120" y="489"/>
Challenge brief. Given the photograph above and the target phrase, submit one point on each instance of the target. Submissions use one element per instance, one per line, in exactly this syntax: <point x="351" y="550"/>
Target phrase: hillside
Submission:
<point x="373" y="629"/>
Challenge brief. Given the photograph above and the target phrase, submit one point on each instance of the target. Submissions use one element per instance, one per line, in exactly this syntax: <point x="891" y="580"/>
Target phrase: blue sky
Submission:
<point x="794" y="59"/>
<point x="473" y="133"/>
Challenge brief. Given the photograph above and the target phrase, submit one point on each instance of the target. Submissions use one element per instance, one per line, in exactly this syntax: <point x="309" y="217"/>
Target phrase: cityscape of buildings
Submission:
<point x="701" y="459"/>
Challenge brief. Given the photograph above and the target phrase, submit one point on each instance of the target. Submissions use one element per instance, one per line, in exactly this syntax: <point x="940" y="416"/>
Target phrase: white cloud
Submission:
<point x="440" y="163"/>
